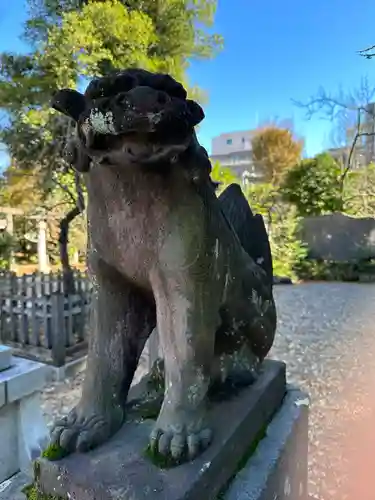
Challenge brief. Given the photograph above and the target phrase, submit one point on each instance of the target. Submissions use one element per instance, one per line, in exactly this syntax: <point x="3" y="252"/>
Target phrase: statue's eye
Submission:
<point x="162" y="98"/>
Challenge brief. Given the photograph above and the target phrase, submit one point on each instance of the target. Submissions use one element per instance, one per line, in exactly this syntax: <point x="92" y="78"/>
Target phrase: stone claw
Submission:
<point x="179" y="444"/>
<point x="80" y="432"/>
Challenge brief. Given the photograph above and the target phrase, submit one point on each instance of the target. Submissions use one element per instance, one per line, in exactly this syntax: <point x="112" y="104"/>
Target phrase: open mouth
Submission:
<point x="143" y="148"/>
<point x="135" y="146"/>
<point x="149" y="151"/>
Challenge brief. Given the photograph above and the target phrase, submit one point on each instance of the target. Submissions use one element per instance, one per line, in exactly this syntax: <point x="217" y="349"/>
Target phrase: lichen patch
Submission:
<point x="101" y="122"/>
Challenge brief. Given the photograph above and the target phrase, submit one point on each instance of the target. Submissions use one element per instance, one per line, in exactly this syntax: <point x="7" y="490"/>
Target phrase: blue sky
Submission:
<point x="274" y="51"/>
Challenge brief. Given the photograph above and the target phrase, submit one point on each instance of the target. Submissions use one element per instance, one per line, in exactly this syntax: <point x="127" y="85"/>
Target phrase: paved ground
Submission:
<point x="327" y="337"/>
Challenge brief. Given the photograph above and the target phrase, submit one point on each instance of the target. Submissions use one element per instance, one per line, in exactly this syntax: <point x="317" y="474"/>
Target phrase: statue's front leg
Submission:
<point x="187" y="317"/>
<point x="120" y="322"/>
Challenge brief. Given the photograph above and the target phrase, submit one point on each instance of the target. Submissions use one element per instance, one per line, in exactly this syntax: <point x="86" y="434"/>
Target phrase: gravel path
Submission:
<point x="326" y="336"/>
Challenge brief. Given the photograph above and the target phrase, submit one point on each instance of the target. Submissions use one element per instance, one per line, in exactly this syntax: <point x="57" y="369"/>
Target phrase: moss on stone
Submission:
<point x="245" y="458"/>
<point x="156" y="381"/>
<point x="54" y="452"/>
<point x="32" y="493"/>
<point x="161" y="461"/>
<point x="248" y="454"/>
<point x="36" y="468"/>
<point x="147" y="410"/>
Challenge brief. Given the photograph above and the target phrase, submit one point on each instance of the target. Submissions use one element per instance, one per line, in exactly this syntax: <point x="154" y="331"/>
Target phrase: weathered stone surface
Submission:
<point x="8" y="439"/>
<point x="23" y="378"/>
<point x="339" y="237"/>
<point x="278" y="468"/>
<point x="2" y="394"/>
<point x="118" y="470"/>
<point x="11" y="489"/>
<point x="32" y="431"/>
<point x="23" y="431"/>
<point x="5" y="357"/>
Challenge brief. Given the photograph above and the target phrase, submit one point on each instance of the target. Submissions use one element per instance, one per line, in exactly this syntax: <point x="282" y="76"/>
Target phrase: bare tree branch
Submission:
<point x="331" y="106"/>
<point x="68" y="279"/>
<point x="367" y="52"/>
<point x="357" y="135"/>
<point x="350" y="109"/>
<point x="345" y="107"/>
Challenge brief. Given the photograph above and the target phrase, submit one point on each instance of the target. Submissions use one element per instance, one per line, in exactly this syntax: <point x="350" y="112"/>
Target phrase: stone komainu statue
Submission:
<point x="162" y="249"/>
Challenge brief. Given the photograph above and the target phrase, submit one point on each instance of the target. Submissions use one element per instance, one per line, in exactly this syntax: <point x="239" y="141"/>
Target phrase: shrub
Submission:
<point x="288" y="251"/>
<point x="282" y="223"/>
<point x="313" y="186"/>
<point x="322" y="270"/>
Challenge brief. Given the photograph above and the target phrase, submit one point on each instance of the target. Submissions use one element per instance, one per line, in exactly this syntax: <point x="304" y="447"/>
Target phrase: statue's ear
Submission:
<point x="82" y="163"/>
<point x="69" y="102"/>
<point x="76" y="157"/>
<point x="196" y="112"/>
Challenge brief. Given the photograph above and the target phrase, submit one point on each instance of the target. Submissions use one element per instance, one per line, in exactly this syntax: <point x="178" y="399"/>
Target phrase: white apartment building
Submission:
<point x="233" y="150"/>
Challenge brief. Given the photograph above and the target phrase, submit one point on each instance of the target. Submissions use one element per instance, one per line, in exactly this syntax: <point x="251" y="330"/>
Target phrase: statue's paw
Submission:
<point x="172" y="438"/>
<point x="83" y="431"/>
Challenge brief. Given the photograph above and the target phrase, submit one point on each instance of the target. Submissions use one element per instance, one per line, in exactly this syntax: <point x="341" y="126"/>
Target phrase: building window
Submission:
<point x="229" y="142"/>
<point x="243" y="140"/>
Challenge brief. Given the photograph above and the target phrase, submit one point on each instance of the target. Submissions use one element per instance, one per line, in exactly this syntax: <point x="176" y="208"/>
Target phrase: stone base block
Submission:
<point x="23" y="432"/>
<point x="119" y="470"/>
<point x="11" y="489"/>
<point x="278" y="468"/>
<point x="5" y="357"/>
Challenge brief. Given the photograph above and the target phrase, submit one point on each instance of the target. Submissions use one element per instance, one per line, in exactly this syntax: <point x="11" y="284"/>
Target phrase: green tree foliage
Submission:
<point x="223" y="175"/>
<point x="288" y="251"/>
<point x="275" y="150"/>
<point x="263" y="198"/>
<point x="313" y="186"/>
<point x="7" y="244"/>
<point x="282" y="223"/>
<point x="71" y="41"/>
<point x="359" y="192"/>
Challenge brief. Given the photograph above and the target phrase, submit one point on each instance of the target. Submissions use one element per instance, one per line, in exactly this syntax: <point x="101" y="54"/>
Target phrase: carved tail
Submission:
<point x="250" y="228"/>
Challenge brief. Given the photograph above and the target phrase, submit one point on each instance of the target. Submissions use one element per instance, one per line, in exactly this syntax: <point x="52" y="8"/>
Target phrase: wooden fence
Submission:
<point x="38" y="321"/>
<point x="39" y="284"/>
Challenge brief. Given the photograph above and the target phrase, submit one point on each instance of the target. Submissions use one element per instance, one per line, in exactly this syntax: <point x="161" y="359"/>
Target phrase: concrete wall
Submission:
<point x="339" y="238"/>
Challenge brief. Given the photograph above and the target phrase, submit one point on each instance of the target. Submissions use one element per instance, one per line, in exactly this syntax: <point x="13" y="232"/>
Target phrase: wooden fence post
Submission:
<point x="13" y="284"/>
<point x="58" y="330"/>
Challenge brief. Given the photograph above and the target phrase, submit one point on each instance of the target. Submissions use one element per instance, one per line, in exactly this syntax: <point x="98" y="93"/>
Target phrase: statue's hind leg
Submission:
<point x="243" y="339"/>
<point x="248" y="317"/>
<point x="122" y="318"/>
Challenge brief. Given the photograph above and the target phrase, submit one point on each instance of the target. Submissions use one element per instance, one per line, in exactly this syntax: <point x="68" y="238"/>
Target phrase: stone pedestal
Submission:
<point x="23" y="432"/>
<point x="278" y="468"/>
<point x="5" y="357"/>
<point x="119" y="469"/>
